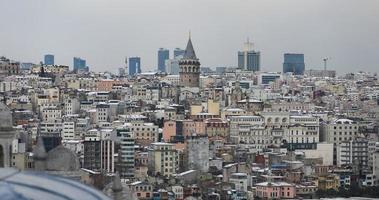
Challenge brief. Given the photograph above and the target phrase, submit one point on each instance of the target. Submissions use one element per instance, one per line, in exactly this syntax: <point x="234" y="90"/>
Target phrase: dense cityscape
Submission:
<point x="184" y="131"/>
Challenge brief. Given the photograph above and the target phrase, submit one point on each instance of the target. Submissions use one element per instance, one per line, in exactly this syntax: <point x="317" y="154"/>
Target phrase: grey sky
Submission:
<point x="105" y="31"/>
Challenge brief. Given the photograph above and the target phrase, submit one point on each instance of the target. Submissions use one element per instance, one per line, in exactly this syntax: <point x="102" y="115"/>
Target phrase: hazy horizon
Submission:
<point x="105" y="31"/>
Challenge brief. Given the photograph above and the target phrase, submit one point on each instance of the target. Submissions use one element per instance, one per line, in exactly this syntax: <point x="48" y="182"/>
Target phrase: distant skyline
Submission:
<point x="105" y="31"/>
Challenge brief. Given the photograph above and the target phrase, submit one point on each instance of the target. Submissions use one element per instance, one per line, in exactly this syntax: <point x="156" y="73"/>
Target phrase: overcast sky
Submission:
<point x="105" y="31"/>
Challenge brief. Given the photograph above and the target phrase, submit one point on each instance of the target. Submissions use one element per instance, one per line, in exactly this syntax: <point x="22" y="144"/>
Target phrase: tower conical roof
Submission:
<point x="39" y="150"/>
<point x="117" y="187"/>
<point x="189" y="53"/>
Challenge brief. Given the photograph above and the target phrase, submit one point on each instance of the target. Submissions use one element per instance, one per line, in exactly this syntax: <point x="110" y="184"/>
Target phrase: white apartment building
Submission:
<point x="300" y="132"/>
<point x="50" y="113"/>
<point x="245" y="120"/>
<point x="68" y="130"/>
<point x="71" y="106"/>
<point x="178" y="191"/>
<point x="163" y="159"/>
<point x="353" y="152"/>
<point x="51" y="127"/>
<point x="303" y="129"/>
<point x="339" y="131"/>
<point x="102" y="113"/>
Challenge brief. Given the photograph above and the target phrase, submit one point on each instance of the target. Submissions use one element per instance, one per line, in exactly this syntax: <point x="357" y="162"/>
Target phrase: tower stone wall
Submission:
<point x="189" y="68"/>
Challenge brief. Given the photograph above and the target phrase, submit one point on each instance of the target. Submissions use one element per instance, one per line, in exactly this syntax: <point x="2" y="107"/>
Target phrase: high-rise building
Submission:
<point x="189" y="67"/>
<point x="294" y="63"/>
<point x="126" y="164"/>
<point x="80" y="64"/>
<point x="172" y="66"/>
<point x="163" y="55"/>
<point x="107" y="153"/>
<point x="248" y="59"/>
<point x="49" y="59"/>
<point x="92" y="154"/>
<point x="134" y="65"/>
<point x="178" y="52"/>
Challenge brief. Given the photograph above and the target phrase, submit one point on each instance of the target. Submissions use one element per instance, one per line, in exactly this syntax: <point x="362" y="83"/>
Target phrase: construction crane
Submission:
<point x="126" y="65"/>
<point x="326" y="62"/>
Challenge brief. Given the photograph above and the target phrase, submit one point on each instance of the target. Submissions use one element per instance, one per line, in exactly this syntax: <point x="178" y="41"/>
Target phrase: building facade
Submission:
<point x="294" y="63"/>
<point x="353" y="152"/>
<point x="163" y="55"/>
<point x="178" y="52"/>
<point x="198" y="153"/>
<point x="134" y="66"/>
<point x="80" y="64"/>
<point x="163" y="159"/>
<point x="49" y="59"/>
<point x="248" y="59"/>
<point x="126" y="158"/>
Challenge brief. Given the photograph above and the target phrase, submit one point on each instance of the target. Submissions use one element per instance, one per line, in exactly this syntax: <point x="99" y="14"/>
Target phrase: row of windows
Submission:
<point x="350" y="127"/>
<point x="143" y="129"/>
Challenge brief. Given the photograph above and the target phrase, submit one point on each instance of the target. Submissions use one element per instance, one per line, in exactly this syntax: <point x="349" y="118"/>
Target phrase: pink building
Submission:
<point x="275" y="190"/>
<point x="182" y="127"/>
<point x="169" y="130"/>
<point x="191" y="126"/>
<point x="107" y="84"/>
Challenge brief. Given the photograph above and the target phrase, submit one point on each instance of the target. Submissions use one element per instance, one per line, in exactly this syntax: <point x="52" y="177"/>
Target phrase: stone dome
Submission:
<point x="62" y="159"/>
<point x="5" y="117"/>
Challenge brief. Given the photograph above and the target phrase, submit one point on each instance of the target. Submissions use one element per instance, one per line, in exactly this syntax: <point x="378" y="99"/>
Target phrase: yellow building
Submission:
<point x="329" y="182"/>
<point x="196" y="109"/>
<point x="213" y="107"/>
<point x="73" y="84"/>
<point x="337" y="89"/>
<point x="228" y="112"/>
<point x="163" y="159"/>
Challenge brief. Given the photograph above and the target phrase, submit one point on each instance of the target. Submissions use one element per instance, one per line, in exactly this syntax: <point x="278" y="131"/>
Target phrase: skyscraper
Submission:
<point x="79" y="64"/>
<point x="248" y="59"/>
<point x="134" y="65"/>
<point x="294" y="63"/>
<point x="163" y="55"/>
<point x="172" y="66"/>
<point x="178" y="52"/>
<point x="49" y="59"/>
<point x="189" y="67"/>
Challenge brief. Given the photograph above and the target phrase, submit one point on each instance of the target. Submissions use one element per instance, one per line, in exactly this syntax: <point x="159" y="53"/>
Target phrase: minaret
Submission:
<point x="39" y="155"/>
<point x="7" y="134"/>
<point x="126" y="66"/>
<point x="117" y="187"/>
<point x="189" y="67"/>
